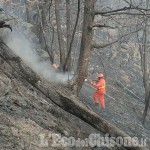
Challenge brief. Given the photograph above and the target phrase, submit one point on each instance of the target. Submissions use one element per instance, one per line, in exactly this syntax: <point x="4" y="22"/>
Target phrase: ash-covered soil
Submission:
<point x="125" y="93"/>
<point x="25" y="115"/>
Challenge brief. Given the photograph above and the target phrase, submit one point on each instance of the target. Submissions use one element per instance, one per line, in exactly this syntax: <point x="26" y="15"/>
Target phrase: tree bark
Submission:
<point x="59" y="32"/>
<point x="40" y="31"/>
<point x="85" y="49"/>
<point x="147" y="104"/>
<point x="40" y="27"/>
<point x="145" y="71"/>
<point x="28" y="15"/>
<point x="68" y="23"/>
<point x="68" y="56"/>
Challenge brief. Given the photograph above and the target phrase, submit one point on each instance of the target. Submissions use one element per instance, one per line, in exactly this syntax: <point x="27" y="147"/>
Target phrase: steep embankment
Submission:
<point x="125" y="92"/>
<point x="60" y="97"/>
<point x="25" y="115"/>
<point x="30" y="108"/>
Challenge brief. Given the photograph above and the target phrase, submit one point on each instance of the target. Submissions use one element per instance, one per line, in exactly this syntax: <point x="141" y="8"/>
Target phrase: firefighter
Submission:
<point x="55" y="66"/>
<point x="99" y="94"/>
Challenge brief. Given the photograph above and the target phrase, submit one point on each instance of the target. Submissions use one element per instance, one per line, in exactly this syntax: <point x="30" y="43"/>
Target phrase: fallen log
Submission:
<point x="62" y="98"/>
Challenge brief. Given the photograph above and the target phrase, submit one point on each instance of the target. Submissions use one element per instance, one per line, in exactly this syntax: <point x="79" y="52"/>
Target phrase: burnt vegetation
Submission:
<point x="81" y="38"/>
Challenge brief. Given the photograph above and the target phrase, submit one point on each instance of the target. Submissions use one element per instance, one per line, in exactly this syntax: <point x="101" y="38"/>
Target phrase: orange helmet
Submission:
<point x="100" y="75"/>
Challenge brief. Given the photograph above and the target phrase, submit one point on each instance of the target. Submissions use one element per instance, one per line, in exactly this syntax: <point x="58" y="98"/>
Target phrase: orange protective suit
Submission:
<point x="98" y="96"/>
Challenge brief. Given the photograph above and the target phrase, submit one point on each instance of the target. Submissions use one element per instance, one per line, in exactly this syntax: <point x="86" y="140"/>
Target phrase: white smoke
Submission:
<point x="22" y="47"/>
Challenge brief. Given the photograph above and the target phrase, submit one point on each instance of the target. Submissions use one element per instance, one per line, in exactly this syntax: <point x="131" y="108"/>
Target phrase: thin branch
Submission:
<point x="128" y="2"/>
<point x="101" y="62"/>
<point x="102" y="45"/>
<point x="126" y="13"/>
<point x="111" y="11"/>
<point x="146" y="108"/>
<point x="120" y="10"/>
<point x="102" y="26"/>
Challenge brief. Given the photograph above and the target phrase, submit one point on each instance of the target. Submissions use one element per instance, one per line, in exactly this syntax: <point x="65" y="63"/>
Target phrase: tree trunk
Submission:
<point x="85" y="49"/>
<point x="28" y="16"/>
<point x="145" y="62"/>
<point x="68" y="23"/>
<point x="60" y="97"/>
<point x="40" y="27"/>
<point x="145" y="71"/>
<point x="147" y="104"/>
<point x="40" y="30"/>
<point x="68" y="56"/>
<point x="59" y="31"/>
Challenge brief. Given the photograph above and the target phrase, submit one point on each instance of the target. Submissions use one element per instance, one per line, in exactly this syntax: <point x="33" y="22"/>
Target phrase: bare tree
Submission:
<point x="144" y="53"/>
<point x="59" y="32"/>
<point x="87" y="36"/>
<point x="41" y="25"/>
<point x="28" y="15"/>
<point x="70" y="39"/>
<point x="68" y="26"/>
<point x="86" y="43"/>
<point x="143" y="48"/>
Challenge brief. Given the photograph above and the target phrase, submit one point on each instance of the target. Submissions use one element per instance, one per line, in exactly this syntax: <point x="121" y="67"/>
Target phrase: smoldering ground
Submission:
<point x="25" y="49"/>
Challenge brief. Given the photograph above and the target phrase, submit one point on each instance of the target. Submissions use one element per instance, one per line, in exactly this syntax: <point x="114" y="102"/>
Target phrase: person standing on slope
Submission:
<point x="99" y="94"/>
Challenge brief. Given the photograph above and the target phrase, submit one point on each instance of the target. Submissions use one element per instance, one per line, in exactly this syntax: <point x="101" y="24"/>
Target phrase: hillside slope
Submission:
<point x="26" y="113"/>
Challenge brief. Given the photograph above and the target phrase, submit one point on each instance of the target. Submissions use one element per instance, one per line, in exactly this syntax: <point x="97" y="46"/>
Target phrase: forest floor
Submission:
<point x="122" y="110"/>
<point x="25" y="113"/>
<point x="27" y="120"/>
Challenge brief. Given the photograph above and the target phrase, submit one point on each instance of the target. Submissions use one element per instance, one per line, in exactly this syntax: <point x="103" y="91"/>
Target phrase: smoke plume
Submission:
<point x="22" y="47"/>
